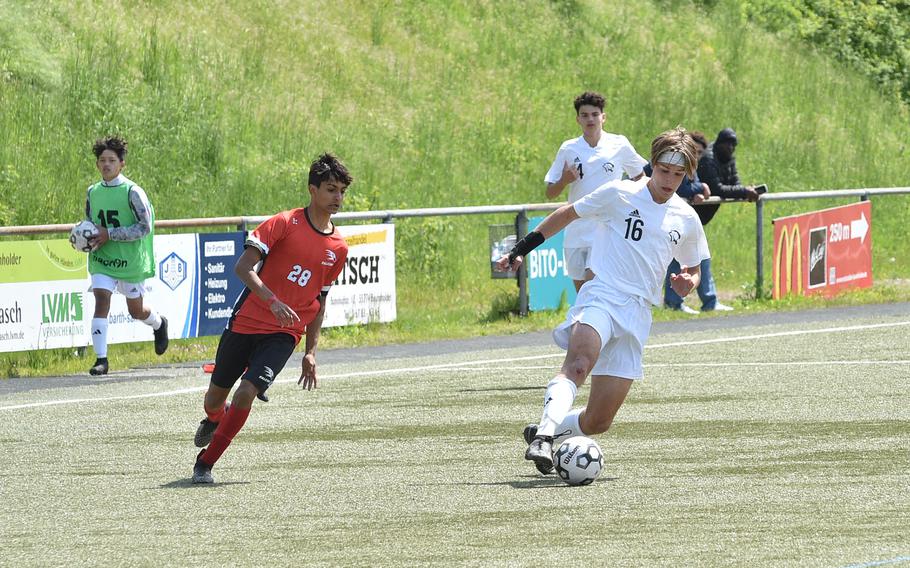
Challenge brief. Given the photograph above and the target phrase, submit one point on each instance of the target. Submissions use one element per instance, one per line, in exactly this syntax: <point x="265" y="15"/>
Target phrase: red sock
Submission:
<point x="216" y="415"/>
<point x="233" y="421"/>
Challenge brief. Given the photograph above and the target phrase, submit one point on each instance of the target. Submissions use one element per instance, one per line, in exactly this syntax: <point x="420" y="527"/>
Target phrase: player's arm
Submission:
<point x="569" y="175"/>
<point x="308" y="378"/>
<point x="142" y="209"/>
<point x="246" y="272"/>
<point x="554" y="223"/>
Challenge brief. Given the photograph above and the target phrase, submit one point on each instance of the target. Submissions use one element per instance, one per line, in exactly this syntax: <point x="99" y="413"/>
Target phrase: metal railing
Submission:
<point x="521" y="221"/>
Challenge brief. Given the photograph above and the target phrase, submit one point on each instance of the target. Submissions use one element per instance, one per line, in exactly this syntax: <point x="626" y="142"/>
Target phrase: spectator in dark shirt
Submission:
<point x="694" y="191"/>
<point x="717" y="168"/>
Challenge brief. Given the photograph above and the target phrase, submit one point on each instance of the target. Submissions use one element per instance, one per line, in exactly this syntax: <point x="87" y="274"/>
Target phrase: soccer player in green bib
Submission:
<point x="122" y="257"/>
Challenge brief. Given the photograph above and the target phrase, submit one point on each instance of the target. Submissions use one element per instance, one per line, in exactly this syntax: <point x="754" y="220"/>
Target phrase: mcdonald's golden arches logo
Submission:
<point x="788" y="246"/>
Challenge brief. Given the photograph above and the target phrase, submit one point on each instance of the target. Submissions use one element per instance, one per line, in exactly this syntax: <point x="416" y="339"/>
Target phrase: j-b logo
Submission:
<point x="789" y="248"/>
<point x="62" y="307"/>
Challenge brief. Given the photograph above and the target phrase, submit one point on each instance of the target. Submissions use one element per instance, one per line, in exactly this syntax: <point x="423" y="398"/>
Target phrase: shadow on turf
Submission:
<point x="186" y="483"/>
<point x="530" y="482"/>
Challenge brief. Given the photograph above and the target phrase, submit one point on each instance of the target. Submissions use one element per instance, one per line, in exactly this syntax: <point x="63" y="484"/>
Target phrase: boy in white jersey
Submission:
<point x="122" y="257"/>
<point x="644" y="225"/>
<point x="584" y="164"/>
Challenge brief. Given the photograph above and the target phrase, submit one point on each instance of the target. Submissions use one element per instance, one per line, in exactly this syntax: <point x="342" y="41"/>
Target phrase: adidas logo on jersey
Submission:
<point x="635" y="213"/>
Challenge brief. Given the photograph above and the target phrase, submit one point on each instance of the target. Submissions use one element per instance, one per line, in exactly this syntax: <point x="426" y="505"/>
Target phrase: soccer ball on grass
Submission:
<point x="578" y="460"/>
<point x="82" y="235"/>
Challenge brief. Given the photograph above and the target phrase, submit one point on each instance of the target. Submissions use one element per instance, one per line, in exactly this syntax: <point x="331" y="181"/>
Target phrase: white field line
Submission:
<point x="897" y="560"/>
<point x="499" y="362"/>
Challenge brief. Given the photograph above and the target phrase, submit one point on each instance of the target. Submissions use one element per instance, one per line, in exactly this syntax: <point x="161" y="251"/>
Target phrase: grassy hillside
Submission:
<point x="431" y="104"/>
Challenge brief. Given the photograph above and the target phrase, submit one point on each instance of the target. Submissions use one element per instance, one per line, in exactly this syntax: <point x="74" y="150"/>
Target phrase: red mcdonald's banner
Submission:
<point x="823" y="251"/>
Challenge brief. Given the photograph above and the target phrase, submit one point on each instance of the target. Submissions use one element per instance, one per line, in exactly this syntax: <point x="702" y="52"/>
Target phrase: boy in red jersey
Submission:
<point x="302" y="253"/>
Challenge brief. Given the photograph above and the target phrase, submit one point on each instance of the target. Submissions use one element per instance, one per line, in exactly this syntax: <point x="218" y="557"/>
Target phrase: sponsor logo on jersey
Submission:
<point x="635" y="213"/>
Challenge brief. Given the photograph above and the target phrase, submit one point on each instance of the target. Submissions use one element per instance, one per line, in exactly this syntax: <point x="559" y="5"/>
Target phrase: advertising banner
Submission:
<point x="364" y="292"/>
<point x="218" y="286"/>
<point x="823" y="252"/>
<point x="548" y="281"/>
<point x="172" y="292"/>
<point x="46" y="302"/>
<point x="42" y="315"/>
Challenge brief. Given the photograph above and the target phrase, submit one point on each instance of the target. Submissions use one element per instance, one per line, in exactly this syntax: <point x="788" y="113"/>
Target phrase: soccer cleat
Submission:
<point x="687" y="310"/>
<point x="529" y="432"/>
<point x="161" y="337"/>
<point x="204" y="433"/>
<point x="540" y="451"/>
<point x="718" y="307"/>
<point x="202" y="472"/>
<point x="100" y="367"/>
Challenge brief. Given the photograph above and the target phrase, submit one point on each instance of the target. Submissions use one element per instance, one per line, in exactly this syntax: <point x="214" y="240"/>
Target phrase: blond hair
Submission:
<point x="676" y="140"/>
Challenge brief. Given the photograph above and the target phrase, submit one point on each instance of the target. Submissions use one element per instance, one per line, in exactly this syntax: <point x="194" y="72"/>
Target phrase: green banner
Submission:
<point x="37" y="261"/>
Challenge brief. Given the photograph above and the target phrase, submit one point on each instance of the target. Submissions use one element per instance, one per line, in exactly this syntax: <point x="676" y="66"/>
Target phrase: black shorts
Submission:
<point x="263" y="355"/>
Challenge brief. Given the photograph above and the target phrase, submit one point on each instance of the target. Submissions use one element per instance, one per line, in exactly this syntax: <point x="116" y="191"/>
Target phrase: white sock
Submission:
<point x="557" y="403"/>
<point x="99" y="337"/>
<point x="153" y="320"/>
<point x="570" y="426"/>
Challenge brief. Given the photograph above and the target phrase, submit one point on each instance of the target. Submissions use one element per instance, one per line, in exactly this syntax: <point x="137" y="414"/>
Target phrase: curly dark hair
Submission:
<point x="699" y="138"/>
<point x="328" y="166"/>
<point x="113" y="143"/>
<point x="590" y="98"/>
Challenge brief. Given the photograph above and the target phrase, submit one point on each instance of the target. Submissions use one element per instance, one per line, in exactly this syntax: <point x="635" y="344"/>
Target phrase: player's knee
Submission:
<point x="579" y="367"/>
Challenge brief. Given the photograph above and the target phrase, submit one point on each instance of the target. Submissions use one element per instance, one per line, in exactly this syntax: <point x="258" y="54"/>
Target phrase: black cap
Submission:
<point x="726" y="135"/>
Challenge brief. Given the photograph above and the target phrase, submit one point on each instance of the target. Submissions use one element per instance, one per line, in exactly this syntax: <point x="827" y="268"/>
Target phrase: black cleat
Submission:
<point x="202" y="472"/>
<point x="540" y="451"/>
<point x="161" y="339"/>
<point x="204" y="433"/>
<point x="529" y="432"/>
<point x="100" y="367"/>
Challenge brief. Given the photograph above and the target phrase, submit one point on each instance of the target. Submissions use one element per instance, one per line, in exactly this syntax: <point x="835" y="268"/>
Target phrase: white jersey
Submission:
<point x="638" y="237"/>
<point x="596" y="166"/>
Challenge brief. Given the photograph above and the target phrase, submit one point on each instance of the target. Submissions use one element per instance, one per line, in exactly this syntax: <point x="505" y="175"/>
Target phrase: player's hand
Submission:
<point x="751" y="194"/>
<point x="307" y="378"/>
<point x="698" y="198"/>
<point x="682" y="283"/>
<point x="569" y="173"/>
<point x="706" y="190"/>
<point x="283" y="313"/>
<point x="100" y="240"/>
<point x="503" y="264"/>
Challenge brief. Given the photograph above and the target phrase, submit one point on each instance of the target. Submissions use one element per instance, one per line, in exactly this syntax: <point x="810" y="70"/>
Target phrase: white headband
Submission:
<point x="673" y="158"/>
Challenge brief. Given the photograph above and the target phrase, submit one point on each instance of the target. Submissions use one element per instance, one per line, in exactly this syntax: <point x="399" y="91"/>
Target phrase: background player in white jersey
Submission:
<point x="584" y="164"/>
<point x="644" y="225"/>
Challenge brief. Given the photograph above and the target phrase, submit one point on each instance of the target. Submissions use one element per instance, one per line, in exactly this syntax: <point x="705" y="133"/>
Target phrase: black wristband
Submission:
<point x="530" y="242"/>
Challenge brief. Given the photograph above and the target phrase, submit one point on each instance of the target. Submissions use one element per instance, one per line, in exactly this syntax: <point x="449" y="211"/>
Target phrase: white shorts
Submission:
<point x="129" y="289"/>
<point x="623" y="326"/>
<point x="576" y="262"/>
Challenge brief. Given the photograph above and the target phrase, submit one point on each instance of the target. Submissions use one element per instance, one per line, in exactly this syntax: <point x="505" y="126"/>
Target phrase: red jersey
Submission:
<point x="299" y="263"/>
